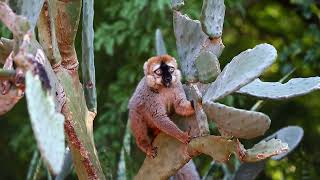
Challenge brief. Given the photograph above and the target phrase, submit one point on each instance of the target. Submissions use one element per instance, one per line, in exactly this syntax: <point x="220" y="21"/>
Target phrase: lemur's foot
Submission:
<point x="152" y="152"/>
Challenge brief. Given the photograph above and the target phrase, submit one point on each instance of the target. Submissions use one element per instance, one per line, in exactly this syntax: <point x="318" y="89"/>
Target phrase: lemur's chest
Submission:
<point x="167" y="98"/>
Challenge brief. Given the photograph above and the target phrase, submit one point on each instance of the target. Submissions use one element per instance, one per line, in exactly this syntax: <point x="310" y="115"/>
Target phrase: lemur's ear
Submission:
<point x="174" y="61"/>
<point x="145" y="68"/>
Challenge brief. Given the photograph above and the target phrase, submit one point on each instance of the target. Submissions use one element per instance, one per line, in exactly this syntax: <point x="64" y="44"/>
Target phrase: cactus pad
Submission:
<point x="212" y="17"/>
<point x="208" y="67"/>
<point x="276" y="90"/>
<point x="47" y="124"/>
<point x="237" y="122"/>
<point x="243" y="69"/>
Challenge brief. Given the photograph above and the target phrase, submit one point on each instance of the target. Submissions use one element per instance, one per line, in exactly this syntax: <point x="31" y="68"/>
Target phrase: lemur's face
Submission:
<point x="161" y="71"/>
<point x="164" y="72"/>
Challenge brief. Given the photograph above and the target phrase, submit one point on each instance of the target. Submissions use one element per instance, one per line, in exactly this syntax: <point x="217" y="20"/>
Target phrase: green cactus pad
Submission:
<point x="208" y="67"/>
<point x="47" y="124"/>
<point x="212" y="17"/>
<point x="276" y="90"/>
<point x="242" y="69"/>
<point x="190" y="42"/>
<point x="237" y="122"/>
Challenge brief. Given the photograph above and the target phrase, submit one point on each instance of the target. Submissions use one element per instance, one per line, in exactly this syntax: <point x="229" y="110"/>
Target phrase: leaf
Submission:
<point x="212" y="17"/>
<point x="208" y="67"/>
<point x="190" y="42"/>
<point x="242" y="69"/>
<point x="47" y="124"/>
<point x="237" y="122"/>
<point x="160" y="45"/>
<point x="177" y="4"/>
<point x="292" y="135"/>
<point x="265" y="149"/>
<point x="276" y="90"/>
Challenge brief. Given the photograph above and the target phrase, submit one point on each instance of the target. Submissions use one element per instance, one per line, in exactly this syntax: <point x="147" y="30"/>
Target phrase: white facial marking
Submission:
<point x="155" y="67"/>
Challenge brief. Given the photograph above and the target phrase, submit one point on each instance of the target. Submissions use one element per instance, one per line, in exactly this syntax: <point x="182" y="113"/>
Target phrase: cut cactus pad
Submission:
<point x="264" y="149"/>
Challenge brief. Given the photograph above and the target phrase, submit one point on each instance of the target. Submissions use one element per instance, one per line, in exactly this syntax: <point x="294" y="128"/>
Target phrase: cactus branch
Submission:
<point x="87" y="65"/>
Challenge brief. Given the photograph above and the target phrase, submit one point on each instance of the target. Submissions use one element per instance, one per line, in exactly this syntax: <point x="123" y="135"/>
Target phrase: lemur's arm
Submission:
<point x="161" y="120"/>
<point x="182" y="106"/>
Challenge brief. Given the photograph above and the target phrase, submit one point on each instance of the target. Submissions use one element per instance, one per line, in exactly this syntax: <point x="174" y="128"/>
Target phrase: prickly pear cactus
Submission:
<point x="199" y="46"/>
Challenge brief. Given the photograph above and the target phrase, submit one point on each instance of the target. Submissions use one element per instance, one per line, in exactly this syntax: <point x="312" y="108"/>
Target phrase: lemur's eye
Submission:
<point x="158" y="72"/>
<point x="171" y="69"/>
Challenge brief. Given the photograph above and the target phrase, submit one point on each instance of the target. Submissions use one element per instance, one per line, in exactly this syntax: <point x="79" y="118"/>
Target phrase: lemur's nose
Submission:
<point x="168" y="78"/>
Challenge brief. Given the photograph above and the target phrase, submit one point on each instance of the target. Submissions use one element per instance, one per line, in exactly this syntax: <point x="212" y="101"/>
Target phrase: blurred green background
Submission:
<point x="124" y="39"/>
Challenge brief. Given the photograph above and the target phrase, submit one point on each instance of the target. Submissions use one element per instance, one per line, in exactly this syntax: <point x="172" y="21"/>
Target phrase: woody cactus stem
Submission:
<point x="67" y="16"/>
<point x="88" y="69"/>
<point x="47" y="33"/>
<point x="79" y="121"/>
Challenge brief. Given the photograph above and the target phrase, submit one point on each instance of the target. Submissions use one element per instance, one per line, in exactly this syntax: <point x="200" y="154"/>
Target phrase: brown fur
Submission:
<point x="152" y="103"/>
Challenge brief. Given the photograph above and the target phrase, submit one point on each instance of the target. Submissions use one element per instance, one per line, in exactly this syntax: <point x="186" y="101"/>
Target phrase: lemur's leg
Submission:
<point x="140" y="132"/>
<point x="161" y="120"/>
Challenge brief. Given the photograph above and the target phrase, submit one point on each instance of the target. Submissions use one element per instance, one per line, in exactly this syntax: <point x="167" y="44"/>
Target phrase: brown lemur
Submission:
<point x="157" y="96"/>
